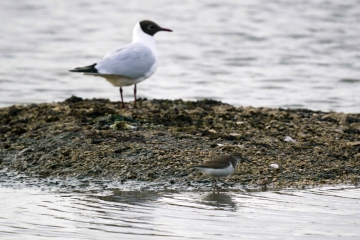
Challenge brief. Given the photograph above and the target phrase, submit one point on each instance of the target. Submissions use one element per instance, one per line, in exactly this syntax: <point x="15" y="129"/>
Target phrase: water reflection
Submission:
<point x="219" y="200"/>
<point x="132" y="197"/>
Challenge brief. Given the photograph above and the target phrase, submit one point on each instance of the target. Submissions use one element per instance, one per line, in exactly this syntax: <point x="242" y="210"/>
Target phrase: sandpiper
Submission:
<point x="131" y="63"/>
<point x="221" y="167"/>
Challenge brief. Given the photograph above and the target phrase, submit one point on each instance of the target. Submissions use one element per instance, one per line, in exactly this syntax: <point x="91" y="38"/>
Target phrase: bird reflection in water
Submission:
<point x="221" y="201"/>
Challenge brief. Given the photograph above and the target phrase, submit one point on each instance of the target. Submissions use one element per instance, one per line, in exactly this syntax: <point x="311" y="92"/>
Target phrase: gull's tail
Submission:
<point x="87" y="69"/>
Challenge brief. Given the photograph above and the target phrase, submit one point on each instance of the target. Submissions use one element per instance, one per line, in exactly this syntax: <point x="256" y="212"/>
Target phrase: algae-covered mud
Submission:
<point x="161" y="139"/>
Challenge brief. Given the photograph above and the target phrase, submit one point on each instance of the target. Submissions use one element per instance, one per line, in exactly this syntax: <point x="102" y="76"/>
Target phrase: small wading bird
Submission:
<point x="221" y="167"/>
<point x="129" y="64"/>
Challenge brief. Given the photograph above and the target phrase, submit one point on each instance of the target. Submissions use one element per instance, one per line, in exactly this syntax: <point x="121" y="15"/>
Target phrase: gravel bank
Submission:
<point x="161" y="139"/>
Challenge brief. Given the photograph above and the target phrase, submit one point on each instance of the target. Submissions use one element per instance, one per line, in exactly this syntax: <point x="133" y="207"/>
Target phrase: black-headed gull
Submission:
<point x="131" y="63"/>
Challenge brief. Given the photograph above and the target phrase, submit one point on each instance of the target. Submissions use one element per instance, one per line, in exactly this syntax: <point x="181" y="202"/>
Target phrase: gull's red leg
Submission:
<point x="122" y="99"/>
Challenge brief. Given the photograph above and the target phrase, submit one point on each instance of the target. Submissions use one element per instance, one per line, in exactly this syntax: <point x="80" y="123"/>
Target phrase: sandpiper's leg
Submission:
<point x="214" y="182"/>
<point x="122" y="99"/>
<point x="227" y="184"/>
<point x="135" y="96"/>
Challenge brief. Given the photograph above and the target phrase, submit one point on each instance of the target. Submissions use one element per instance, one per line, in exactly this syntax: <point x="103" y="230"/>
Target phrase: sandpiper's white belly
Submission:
<point x="217" y="172"/>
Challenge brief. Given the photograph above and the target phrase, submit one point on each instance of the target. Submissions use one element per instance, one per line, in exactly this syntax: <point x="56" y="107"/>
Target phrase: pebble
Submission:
<point x="274" y="165"/>
<point x="289" y="139"/>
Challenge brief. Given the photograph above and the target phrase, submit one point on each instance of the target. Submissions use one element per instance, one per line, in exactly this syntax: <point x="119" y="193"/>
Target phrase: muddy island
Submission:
<point x="161" y="139"/>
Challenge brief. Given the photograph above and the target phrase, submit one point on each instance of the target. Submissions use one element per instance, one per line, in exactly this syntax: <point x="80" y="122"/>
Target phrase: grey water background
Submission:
<point x="278" y="53"/>
<point x="299" y="54"/>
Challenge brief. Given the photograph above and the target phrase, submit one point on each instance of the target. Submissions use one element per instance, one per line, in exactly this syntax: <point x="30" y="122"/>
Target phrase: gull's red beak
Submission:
<point x="166" y="29"/>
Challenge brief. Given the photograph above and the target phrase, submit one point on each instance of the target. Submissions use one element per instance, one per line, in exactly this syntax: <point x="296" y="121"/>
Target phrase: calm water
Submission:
<point x="262" y="53"/>
<point x="320" y="213"/>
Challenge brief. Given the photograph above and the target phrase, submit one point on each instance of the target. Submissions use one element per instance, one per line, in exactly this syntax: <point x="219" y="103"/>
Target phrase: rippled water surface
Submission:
<point x="274" y="53"/>
<point x="320" y="213"/>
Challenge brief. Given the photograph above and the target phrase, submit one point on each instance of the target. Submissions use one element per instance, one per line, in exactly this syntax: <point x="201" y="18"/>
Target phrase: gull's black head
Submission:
<point x="149" y="27"/>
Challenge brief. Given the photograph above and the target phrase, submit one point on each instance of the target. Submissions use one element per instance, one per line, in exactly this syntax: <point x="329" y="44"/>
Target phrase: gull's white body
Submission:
<point x="131" y="63"/>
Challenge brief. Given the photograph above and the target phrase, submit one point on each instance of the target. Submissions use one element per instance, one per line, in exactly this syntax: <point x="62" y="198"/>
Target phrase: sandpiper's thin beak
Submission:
<point x="166" y="29"/>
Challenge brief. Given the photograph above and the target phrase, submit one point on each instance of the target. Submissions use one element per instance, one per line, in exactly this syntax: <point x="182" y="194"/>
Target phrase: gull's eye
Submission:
<point x="150" y="27"/>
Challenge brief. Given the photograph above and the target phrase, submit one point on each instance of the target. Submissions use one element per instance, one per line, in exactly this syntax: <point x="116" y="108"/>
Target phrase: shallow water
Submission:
<point x="114" y="213"/>
<point x="261" y="53"/>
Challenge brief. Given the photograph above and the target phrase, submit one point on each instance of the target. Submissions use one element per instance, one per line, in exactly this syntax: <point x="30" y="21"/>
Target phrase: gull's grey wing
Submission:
<point x="132" y="60"/>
